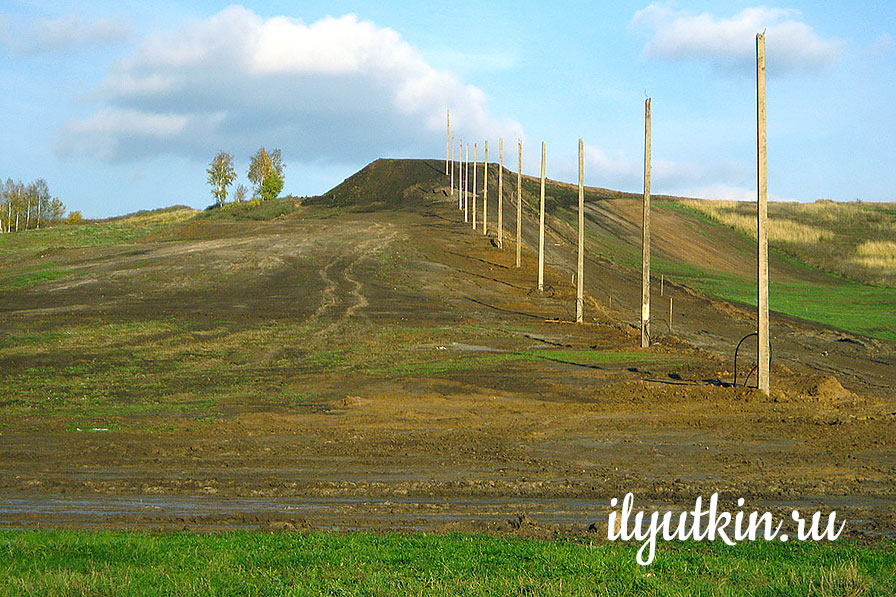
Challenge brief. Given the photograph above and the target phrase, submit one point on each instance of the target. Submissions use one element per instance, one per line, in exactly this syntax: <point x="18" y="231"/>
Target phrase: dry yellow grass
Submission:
<point x="851" y="239"/>
<point x="876" y="255"/>
<point x="783" y="230"/>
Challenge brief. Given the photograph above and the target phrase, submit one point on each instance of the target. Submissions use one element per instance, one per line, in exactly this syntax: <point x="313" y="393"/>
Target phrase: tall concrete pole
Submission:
<point x="473" y="195"/>
<point x="500" y="193"/>
<point x="670" y="314"/>
<point x="466" y="182"/>
<point x="762" y="218"/>
<point x="485" y="191"/>
<point x="580" y="270"/>
<point x="645" y="235"/>
<point x="447" y="139"/>
<point x="460" y="175"/>
<point x="541" y="228"/>
<point x="519" y="207"/>
<point x="463" y="179"/>
<point x="452" y="164"/>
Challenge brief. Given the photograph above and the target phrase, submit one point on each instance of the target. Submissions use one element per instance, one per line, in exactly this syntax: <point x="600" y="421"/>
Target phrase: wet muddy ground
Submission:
<point x="437" y="390"/>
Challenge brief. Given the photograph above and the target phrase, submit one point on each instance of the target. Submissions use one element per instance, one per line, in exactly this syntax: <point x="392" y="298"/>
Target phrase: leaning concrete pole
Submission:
<point x="580" y="270"/>
<point x="473" y="194"/>
<point x="447" y="139"/>
<point x="500" y="193"/>
<point x="485" y="191"/>
<point x="762" y="219"/>
<point x="519" y="207"/>
<point x="645" y="235"/>
<point x="541" y="228"/>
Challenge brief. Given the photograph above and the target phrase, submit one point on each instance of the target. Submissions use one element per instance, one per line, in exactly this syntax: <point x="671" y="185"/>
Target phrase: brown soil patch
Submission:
<point x="534" y="432"/>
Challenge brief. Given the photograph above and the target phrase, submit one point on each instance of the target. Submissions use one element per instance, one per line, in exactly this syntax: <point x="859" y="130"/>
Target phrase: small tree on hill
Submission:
<point x="55" y="209"/>
<point x="221" y="175"/>
<point x="41" y="198"/>
<point x="266" y="174"/>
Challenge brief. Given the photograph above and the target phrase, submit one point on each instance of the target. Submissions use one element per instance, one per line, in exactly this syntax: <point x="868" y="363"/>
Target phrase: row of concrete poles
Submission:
<point x="467" y="204"/>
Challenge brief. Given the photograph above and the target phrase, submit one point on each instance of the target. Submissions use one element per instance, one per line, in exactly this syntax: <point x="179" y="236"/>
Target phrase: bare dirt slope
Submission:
<point x="380" y="365"/>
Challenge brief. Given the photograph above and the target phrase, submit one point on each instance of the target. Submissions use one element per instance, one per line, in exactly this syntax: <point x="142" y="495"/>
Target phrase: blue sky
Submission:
<point x="120" y="106"/>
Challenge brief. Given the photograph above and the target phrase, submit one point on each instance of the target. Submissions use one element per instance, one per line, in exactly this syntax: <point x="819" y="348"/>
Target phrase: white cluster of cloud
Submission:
<point x="728" y="192"/>
<point x="65" y="34"/>
<point x="684" y="179"/>
<point x="617" y="171"/>
<point x="336" y="90"/>
<point x="729" y="43"/>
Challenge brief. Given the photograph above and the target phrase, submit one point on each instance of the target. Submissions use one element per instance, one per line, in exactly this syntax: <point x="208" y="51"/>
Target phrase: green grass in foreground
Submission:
<point x="825" y="297"/>
<point x="247" y="563"/>
<point x="812" y="294"/>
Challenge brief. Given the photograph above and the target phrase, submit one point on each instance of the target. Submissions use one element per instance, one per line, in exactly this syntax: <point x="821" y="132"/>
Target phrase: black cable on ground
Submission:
<point x="755" y="367"/>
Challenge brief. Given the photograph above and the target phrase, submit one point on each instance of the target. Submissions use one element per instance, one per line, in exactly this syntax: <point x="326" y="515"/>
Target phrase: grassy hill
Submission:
<point x="831" y="263"/>
<point x="852" y="239"/>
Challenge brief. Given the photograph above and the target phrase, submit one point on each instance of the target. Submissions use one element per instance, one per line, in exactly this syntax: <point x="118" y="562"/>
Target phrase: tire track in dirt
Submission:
<point x="342" y="287"/>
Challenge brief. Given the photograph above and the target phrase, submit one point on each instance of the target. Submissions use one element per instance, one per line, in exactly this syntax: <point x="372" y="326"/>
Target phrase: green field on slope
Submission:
<point x="816" y="286"/>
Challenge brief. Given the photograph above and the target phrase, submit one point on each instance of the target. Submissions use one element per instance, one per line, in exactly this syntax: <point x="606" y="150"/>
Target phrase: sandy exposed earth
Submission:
<point x="533" y="445"/>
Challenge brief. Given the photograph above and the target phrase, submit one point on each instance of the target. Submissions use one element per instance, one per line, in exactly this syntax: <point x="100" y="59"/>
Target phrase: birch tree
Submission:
<point x="266" y="174"/>
<point x="221" y="175"/>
